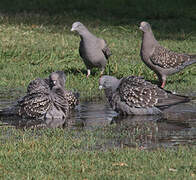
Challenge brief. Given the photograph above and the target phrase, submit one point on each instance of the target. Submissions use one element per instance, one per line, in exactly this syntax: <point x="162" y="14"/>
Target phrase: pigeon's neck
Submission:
<point x="86" y="35"/>
<point x="108" y="93"/>
<point x="112" y="88"/>
<point x="115" y="85"/>
<point x="148" y="40"/>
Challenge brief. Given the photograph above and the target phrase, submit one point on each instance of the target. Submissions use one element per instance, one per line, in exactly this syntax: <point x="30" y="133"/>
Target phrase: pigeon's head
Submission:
<point x="108" y="82"/>
<point x="57" y="79"/>
<point x="78" y="26"/>
<point x="144" y="26"/>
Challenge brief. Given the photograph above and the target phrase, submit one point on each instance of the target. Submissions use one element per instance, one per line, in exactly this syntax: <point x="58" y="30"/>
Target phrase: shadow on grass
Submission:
<point x="76" y="71"/>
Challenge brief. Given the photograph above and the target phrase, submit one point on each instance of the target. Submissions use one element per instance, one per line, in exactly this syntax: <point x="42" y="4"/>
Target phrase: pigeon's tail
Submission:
<point x="193" y="59"/>
<point x="76" y="94"/>
<point x="174" y="99"/>
<point x="10" y="111"/>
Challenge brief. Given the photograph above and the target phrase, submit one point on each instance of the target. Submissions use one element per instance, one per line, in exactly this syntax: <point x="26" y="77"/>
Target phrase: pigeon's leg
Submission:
<point x="163" y="84"/>
<point x="102" y="71"/>
<point x="88" y="73"/>
<point x="163" y="81"/>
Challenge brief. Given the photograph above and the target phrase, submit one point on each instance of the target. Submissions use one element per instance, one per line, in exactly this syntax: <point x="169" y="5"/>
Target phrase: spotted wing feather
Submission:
<point x="38" y="85"/>
<point x="168" y="59"/>
<point x="137" y="92"/>
<point x="34" y="105"/>
<point x="72" y="98"/>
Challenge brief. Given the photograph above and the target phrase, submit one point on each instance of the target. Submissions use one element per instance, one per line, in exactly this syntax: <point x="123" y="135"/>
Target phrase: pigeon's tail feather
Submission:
<point x="193" y="59"/>
<point x="174" y="99"/>
<point x="76" y="94"/>
<point x="193" y="56"/>
<point x="106" y="52"/>
<point x="10" y="111"/>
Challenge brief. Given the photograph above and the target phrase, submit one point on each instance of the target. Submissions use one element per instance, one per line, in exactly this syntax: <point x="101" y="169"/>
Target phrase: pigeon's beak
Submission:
<point x="72" y="29"/>
<point x="54" y="82"/>
<point x="100" y="87"/>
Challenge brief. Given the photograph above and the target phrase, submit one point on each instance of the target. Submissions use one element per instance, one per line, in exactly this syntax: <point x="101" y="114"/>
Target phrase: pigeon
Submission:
<point x="162" y="61"/>
<point x="133" y="95"/>
<point x="45" y="99"/>
<point x="94" y="51"/>
<point x="58" y="78"/>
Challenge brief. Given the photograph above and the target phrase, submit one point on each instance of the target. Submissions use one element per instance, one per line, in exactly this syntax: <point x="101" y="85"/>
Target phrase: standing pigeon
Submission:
<point x="93" y="50"/>
<point x="133" y="95"/>
<point x="159" y="59"/>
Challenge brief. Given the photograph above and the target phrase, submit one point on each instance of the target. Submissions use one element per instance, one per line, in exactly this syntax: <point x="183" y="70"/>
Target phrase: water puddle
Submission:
<point x="176" y="127"/>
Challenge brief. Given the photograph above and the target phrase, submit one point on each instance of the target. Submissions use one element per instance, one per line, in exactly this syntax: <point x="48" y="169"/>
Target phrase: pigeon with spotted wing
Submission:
<point x="134" y="96"/>
<point x="162" y="61"/>
<point x="45" y="99"/>
<point x="94" y="51"/>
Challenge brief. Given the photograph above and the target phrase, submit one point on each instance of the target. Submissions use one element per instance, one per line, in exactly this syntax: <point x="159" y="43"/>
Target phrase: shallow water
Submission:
<point x="177" y="125"/>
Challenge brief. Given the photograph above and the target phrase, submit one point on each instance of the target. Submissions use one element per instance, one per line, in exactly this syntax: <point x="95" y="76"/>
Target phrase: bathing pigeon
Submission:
<point x="45" y="99"/>
<point x="133" y="95"/>
<point x="94" y="51"/>
<point x="162" y="61"/>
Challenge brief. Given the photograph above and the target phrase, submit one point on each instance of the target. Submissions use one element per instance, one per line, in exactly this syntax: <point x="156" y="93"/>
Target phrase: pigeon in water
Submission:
<point x="58" y="79"/>
<point x="162" y="61"/>
<point x="45" y="99"/>
<point x="94" y="51"/>
<point x="134" y="96"/>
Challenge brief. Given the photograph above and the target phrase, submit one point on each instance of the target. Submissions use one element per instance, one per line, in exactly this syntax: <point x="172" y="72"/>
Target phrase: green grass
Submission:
<point x="35" y="40"/>
<point x="62" y="154"/>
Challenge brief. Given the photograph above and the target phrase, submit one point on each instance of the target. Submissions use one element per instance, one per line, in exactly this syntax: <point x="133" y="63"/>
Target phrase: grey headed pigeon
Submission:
<point x="94" y="51"/>
<point x="162" y="61"/>
<point x="134" y="96"/>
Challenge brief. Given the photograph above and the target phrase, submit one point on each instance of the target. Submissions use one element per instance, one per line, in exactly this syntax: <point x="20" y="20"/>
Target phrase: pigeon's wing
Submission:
<point x="38" y="86"/>
<point x="59" y="100"/>
<point x="34" y="105"/>
<point x="81" y="50"/>
<point x="137" y="92"/>
<point x="72" y="98"/>
<point x="106" y="51"/>
<point x="167" y="59"/>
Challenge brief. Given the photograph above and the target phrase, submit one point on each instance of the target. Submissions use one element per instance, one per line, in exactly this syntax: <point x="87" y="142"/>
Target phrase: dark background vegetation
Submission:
<point x="111" y="11"/>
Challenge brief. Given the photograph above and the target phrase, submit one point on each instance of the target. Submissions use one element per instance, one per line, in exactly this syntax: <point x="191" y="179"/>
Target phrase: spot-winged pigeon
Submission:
<point x="162" y="61"/>
<point x="94" y="51"/>
<point x="45" y="99"/>
<point x="134" y="95"/>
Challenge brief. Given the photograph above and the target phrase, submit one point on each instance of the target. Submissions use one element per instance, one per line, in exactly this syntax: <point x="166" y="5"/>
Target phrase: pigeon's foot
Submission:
<point x="88" y="73"/>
